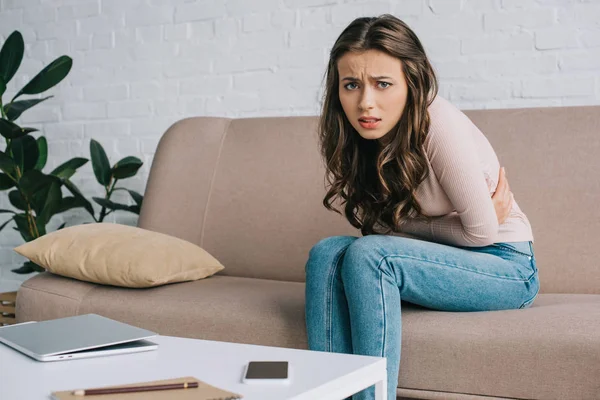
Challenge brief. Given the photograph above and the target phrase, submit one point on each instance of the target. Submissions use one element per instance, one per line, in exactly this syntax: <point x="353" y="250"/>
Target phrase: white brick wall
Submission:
<point x="140" y="65"/>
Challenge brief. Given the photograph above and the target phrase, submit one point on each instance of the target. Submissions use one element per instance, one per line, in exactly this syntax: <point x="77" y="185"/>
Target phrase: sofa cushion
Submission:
<point x="119" y="255"/>
<point x="242" y="310"/>
<point x="514" y="353"/>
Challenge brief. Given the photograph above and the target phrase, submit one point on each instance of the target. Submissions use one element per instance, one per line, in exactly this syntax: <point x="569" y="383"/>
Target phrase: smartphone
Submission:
<point x="267" y="372"/>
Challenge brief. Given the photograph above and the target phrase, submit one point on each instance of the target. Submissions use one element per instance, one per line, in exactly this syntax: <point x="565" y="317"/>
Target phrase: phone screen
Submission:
<point x="267" y="370"/>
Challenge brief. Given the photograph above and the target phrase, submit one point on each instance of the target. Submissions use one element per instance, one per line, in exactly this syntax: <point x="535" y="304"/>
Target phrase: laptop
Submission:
<point x="81" y="336"/>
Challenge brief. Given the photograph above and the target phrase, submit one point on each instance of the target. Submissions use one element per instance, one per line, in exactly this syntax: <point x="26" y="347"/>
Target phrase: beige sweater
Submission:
<point x="464" y="171"/>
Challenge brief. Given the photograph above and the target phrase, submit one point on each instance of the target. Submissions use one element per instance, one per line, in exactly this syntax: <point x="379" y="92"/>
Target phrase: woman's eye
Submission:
<point x="347" y="86"/>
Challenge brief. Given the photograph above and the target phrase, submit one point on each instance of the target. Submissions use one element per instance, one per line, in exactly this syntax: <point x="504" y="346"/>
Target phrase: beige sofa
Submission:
<point x="249" y="191"/>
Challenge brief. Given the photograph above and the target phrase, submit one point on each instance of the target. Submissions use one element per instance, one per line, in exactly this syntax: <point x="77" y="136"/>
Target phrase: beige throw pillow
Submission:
<point x="119" y="255"/>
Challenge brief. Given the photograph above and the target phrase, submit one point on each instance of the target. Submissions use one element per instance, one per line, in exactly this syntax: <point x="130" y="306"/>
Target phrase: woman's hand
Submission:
<point x="502" y="198"/>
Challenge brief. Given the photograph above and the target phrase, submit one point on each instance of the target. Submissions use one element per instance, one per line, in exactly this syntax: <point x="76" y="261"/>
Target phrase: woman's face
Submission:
<point x="372" y="85"/>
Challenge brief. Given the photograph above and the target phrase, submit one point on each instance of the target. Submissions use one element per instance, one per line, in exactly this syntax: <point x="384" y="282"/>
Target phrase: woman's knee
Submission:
<point x="327" y="251"/>
<point x="331" y="245"/>
<point x="367" y="251"/>
<point x="367" y="245"/>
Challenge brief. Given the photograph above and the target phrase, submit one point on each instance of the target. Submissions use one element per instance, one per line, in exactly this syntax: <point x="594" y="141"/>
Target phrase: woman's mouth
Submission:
<point x="369" y="123"/>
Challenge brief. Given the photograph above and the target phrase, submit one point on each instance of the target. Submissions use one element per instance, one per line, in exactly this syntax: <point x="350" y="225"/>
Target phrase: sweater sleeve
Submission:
<point x="454" y="158"/>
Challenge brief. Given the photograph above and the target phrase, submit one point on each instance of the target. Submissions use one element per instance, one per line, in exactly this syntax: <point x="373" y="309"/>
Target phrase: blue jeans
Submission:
<point x="354" y="287"/>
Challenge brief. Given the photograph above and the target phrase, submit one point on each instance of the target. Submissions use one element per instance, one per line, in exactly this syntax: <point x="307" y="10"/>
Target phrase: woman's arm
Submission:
<point x="455" y="161"/>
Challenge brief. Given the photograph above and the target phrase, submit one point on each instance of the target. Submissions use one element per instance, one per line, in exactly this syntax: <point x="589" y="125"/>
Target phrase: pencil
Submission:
<point x="131" y="389"/>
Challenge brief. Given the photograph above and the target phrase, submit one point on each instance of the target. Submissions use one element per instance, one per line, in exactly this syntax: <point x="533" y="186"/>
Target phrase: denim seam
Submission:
<point x="513" y="250"/>
<point x="525" y="303"/>
<point x="529" y="256"/>
<point x="456" y="266"/>
<point x="330" y="300"/>
<point x="383" y="318"/>
<point x="531" y="299"/>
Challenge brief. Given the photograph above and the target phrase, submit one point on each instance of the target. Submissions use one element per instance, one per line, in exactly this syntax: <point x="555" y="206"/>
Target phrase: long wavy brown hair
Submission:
<point x="375" y="184"/>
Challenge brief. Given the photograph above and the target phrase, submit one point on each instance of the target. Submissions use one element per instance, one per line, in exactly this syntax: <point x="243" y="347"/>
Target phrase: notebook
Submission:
<point x="204" y="391"/>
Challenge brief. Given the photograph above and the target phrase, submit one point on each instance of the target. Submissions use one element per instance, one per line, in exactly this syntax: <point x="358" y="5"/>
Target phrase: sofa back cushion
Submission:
<point x="249" y="191"/>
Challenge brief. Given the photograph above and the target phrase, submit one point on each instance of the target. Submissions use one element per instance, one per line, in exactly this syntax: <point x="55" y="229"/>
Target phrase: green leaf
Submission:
<point x="68" y="168"/>
<point x="67" y="173"/>
<point x="113" y="206"/>
<point x="17" y="200"/>
<point x="32" y="181"/>
<point x="48" y="77"/>
<point x="23" y="227"/>
<point x="43" y="153"/>
<point x="6" y="223"/>
<point x="38" y="200"/>
<point x="24" y="269"/>
<point x="16" y="108"/>
<point x="27" y="268"/>
<point x="68" y="203"/>
<point x="25" y="152"/>
<point x="138" y="198"/>
<point x="100" y="163"/>
<point x="7" y="211"/>
<point x="126" y="168"/>
<point x="41" y="226"/>
<point x="103" y="202"/>
<point x="11" y="56"/>
<point x="10" y="130"/>
<point x="2" y="87"/>
<point x="37" y="268"/>
<point x="6" y="182"/>
<point x="7" y="164"/>
<point x="75" y="191"/>
<point x="52" y="204"/>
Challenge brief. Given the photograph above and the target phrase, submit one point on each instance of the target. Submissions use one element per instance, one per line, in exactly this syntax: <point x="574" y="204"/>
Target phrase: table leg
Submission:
<point x="381" y="390"/>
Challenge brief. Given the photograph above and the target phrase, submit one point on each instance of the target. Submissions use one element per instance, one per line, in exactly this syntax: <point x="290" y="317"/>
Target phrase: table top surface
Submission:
<point x="313" y="374"/>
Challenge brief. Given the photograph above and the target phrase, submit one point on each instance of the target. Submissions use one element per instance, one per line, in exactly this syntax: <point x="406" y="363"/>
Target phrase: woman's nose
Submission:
<point x="366" y="99"/>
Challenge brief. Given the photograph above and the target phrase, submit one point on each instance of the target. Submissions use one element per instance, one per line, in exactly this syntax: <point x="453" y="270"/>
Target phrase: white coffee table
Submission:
<point x="315" y="375"/>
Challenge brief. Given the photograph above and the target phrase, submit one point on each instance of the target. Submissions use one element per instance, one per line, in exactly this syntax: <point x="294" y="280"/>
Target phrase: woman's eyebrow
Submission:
<point x="351" y="78"/>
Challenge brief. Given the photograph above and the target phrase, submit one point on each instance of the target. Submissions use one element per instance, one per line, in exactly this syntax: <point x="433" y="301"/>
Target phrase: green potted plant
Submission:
<point x="36" y="195"/>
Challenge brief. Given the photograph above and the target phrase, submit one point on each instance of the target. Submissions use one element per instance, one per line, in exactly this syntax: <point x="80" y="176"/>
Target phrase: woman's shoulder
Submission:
<point x="446" y="117"/>
<point x="441" y="107"/>
<point x="447" y="124"/>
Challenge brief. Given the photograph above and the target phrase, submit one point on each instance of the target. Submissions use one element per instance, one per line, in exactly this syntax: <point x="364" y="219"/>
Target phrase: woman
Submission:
<point x="440" y="226"/>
